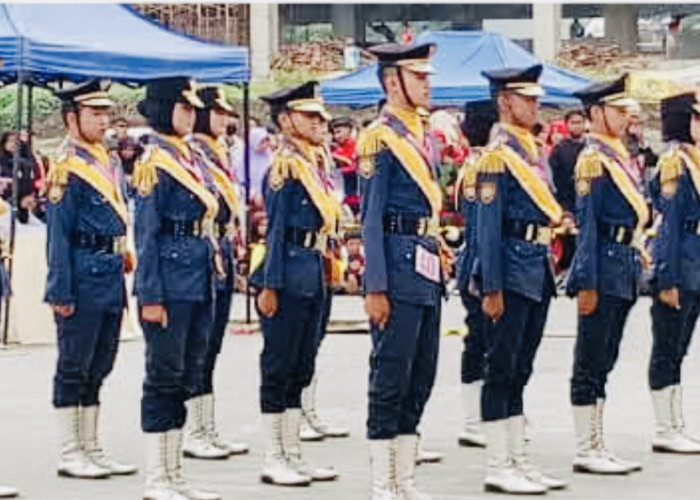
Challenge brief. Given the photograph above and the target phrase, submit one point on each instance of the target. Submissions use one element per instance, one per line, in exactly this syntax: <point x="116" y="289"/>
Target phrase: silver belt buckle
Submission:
<point x="119" y="245"/>
<point x="307" y="239"/>
<point x="544" y="236"/>
<point x="530" y="232"/>
<point x="422" y="226"/>
<point x="620" y="236"/>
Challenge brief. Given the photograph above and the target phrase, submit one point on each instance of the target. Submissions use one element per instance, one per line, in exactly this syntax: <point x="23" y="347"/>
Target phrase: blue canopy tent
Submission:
<point x="49" y="42"/>
<point x="460" y="58"/>
<point x="45" y="43"/>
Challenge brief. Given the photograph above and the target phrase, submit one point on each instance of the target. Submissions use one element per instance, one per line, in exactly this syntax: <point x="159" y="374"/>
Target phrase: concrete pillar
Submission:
<point x="264" y="38"/>
<point x="546" y="20"/>
<point x="621" y="25"/>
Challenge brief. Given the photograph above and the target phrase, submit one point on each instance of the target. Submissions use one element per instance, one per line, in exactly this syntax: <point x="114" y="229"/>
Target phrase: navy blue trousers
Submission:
<point x="511" y="345"/>
<point x="222" y="312"/>
<point x="672" y="330"/>
<point x="597" y="348"/>
<point x="402" y="369"/>
<point x="325" y="314"/>
<point x="473" y="353"/>
<point x="175" y="364"/>
<point x="288" y="358"/>
<point x="87" y="347"/>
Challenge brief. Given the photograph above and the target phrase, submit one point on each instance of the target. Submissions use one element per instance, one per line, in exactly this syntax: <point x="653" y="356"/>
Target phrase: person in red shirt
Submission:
<point x="345" y="158"/>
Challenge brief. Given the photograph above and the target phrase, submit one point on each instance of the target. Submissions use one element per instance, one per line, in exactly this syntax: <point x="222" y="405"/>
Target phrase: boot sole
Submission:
<point x="465" y="443"/>
<point x="188" y="454"/>
<point x="325" y="480"/>
<point x="238" y="453"/>
<point x="430" y="461"/>
<point x="664" y="449"/>
<point x="312" y="440"/>
<point x="62" y="473"/>
<point x="269" y="480"/>
<point x="491" y="488"/>
<point x="585" y="470"/>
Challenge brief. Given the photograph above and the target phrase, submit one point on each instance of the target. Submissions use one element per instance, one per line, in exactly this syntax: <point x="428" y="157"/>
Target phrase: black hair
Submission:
<point x="6" y="137"/>
<point x="202" y="124"/>
<point x="159" y="115"/>
<point x="479" y="118"/>
<point x="537" y="128"/>
<point x="575" y="112"/>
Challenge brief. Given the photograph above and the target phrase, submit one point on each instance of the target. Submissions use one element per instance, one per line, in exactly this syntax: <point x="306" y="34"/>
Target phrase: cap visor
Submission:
<point x="624" y="102"/>
<point x="192" y="98"/>
<point x="98" y="102"/>
<point x="531" y="91"/>
<point x="224" y="105"/>
<point x="312" y="107"/>
<point x="425" y="68"/>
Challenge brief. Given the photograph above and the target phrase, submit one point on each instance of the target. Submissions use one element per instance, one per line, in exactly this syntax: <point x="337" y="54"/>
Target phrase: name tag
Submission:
<point x="427" y="264"/>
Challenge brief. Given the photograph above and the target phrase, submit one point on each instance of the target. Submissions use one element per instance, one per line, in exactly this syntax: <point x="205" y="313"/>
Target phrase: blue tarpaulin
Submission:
<point x="460" y="58"/>
<point x="77" y="41"/>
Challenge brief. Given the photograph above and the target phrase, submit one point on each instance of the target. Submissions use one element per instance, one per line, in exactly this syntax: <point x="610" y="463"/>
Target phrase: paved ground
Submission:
<point x="28" y="443"/>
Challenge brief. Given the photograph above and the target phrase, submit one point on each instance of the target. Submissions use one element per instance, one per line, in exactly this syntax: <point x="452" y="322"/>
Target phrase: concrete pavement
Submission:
<point x="28" y="444"/>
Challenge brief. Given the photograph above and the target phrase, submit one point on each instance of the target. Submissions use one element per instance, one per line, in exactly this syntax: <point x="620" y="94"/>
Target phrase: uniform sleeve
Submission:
<point x="667" y="245"/>
<point x="60" y="221"/>
<point x="276" y="205"/>
<point x="375" y="190"/>
<point x="589" y="203"/>
<point x="149" y="206"/>
<point x="489" y="228"/>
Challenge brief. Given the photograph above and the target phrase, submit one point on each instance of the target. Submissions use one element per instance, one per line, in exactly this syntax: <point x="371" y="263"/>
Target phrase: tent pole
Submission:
<point x="13" y="208"/>
<point x="246" y="165"/>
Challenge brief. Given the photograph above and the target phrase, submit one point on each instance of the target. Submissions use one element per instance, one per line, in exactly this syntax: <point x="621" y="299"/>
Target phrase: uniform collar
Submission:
<point x="178" y="143"/>
<point x="524" y="137"/>
<point x="409" y="118"/>
<point x="95" y="149"/>
<point x="214" y="144"/>
<point x="614" y="143"/>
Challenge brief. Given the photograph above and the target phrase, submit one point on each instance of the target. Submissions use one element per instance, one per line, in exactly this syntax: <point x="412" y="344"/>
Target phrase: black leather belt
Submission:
<point x="100" y="242"/>
<point x="531" y="232"/>
<point x="692" y="227"/>
<point x="408" y="225"/>
<point x="618" y="234"/>
<point x="305" y="238"/>
<point x="181" y="228"/>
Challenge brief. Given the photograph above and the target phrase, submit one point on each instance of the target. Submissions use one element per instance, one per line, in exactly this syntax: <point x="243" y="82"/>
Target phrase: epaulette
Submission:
<point x="369" y="144"/>
<point x="589" y="164"/>
<point x="492" y="161"/>
<point x="145" y="175"/>
<point x="57" y="178"/>
<point x="670" y="165"/>
<point x="282" y="168"/>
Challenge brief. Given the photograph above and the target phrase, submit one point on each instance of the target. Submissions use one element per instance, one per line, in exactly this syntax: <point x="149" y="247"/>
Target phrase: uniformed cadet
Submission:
<point x="174" y="219"/>
<point x="401" y="203"/>
<point x="5" y="491"/>
<point x="86" y="228"/>
<point x="516" y="214"/>
<point x="478" y="121"/>
<point x="314" y="428"/>
<point x="611" y="216"/>
<point x="302" y="213"/>
<point x="676" y="274"/>
<point x="201" y="437"/>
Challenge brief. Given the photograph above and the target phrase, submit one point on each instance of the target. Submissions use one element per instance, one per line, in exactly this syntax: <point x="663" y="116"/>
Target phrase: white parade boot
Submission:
<point x="89" y="429"/>
<point x="74" y="462"/>
<point x="173" y="446"/>
<point x="471" y="434"/>
<point x="276" y="469"/>
<point x="8" y="492"/>
<point x="589" y="456"/>
<point x="158" y="485"/>
<point x="292" y="449"/>
<point x="600" y="436"/>
<point x="669" y="437"/>
<point x="382" y="457"/>
<point x="424" y="456"/>
<point x="313" y="428"/>
<point x="406" y="451"/>
<point x="210" y="432"/>
<point x="197" y="444"/>
<point x="677" y="411"/>
<point x="501" y="475"/>
<point x="518" y="453"/>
